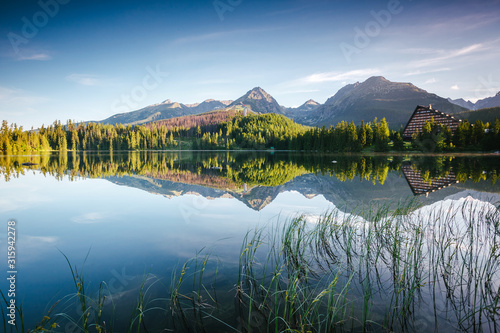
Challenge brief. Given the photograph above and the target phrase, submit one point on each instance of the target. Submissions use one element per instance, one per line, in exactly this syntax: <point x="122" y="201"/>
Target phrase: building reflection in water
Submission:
<point x="423" y="185"/>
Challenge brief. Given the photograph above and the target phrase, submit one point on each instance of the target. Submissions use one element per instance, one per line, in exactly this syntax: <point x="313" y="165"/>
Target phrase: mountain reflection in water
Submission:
<point x="256" y="178"/>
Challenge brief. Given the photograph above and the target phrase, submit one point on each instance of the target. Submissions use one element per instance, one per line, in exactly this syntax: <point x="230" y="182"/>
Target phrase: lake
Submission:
<point x="253" y="241"/>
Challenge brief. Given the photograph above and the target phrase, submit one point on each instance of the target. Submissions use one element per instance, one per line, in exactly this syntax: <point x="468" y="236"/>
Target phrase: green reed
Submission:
<point x="376" y="269"/>
<point x="334" y="272"/>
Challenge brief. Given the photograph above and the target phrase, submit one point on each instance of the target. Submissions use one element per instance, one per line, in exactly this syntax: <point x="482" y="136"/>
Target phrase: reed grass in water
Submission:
<point x="412" y="269"/>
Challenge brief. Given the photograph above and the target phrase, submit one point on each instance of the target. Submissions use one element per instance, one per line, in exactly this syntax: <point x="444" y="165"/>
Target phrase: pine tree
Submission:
<point x="398" y="142"/>
<point x="382" y="137"/>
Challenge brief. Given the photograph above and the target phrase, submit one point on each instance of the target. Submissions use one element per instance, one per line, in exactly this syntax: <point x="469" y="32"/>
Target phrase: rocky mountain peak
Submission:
<point x="311" y="102"/>
<point x="259" y="93"/>
<point x="373" y="79"/>
<point x="377" y="97"/>
<point x="259" y="101"/>
<point x="175" y="105"/>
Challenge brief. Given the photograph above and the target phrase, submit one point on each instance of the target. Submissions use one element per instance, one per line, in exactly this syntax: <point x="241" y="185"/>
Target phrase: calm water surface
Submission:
<point x="120" y="217"/>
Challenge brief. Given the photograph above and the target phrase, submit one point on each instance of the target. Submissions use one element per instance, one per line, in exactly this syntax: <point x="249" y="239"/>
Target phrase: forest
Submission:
<point x="265" y="131"/>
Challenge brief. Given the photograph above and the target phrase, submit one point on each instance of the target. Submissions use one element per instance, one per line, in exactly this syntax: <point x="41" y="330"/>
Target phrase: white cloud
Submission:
<point x="428" y="71"/>
<point x="40" y="239"/>
<point x="214" y="81"/>
<point x="35" y="56"/>
<point x="8" y="95"/>
<point x="418" y="51"/>
<point x="89" y="218"/>
<point x="84" y="79"/>
<point x="455" y="23"/>
<point x="455" y="87"/>
<point x="359" y="74"/>
<point x="443" y="56"/>
<point x="220" y="35"/>
<point x="17" y="102"/>
<point x="30" y="198"/>
<point x="301" y="91"/>
<point x="432" y="80"/>
<point x="336" y="76"/>
<point x="23" y="54"/>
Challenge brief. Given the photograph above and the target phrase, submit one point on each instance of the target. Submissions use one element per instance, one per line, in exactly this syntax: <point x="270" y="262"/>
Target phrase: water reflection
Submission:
<point x="71" y="202"/>
<point x="257" y="178"/>
<point x="421" y="183"/>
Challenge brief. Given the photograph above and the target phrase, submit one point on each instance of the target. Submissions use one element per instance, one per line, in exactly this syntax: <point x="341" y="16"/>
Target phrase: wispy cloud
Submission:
<point x="40" y="239"/>
<point x="6" y="93"/>
<point x="36" y="56"/>
<point x="221" y="35"/>
<point x="443" y="56"/>
<point x="88" y="218"/>
<point x="461" y="23"/>
<point x="286" y="11"/>
<point x="214" y="81"/>
<point x="300" y="91"/>
<point x="19" y="97"/>
<point x="84" y="79"/>
<point x="417" y="51"/>
<point x="359" y="74"/>
<point x="432" y="80"/>
<point x="31" y="197"/>
<point x="433" y="70"/>
<point x="27" y="54"/>
<point x="455" y="87"/>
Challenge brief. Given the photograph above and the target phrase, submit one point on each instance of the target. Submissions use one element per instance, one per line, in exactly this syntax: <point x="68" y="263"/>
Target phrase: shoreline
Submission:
<point x="388" y="153"/>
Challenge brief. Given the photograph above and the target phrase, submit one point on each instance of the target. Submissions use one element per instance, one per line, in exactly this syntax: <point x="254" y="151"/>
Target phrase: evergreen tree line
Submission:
<point x="81" y="136"/>
<point x="278" y="132"/>
<point x="477" y="136"/>
<point x="252" y="132"/>
<point x="345" y="137"/>
<point x="265" y="131"/>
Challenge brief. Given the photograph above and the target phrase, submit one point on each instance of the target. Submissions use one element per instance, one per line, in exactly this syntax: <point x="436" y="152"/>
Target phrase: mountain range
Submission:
<point x="164" y="110"/>
<point x="489" y="102"/>
<point x="376" y="97"/>
<point x="345" y="195"/>
<point x="361" y="101"/>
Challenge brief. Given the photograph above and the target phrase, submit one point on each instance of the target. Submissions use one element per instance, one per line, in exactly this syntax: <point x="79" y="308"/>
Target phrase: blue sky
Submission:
<point x="87" y="60"/>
